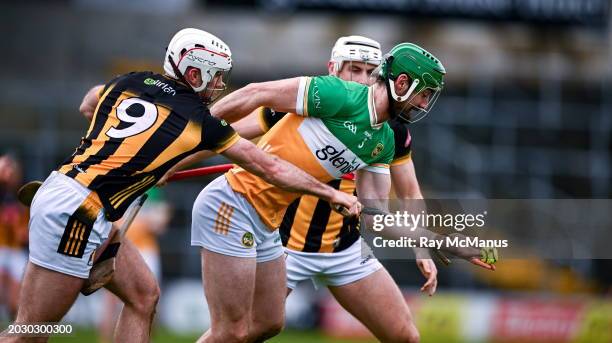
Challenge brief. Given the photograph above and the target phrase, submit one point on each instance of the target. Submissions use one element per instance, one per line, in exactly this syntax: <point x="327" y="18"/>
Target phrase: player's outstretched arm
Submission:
<point x="285" y="175"/>
<point x="280" y="95"/>
<point x="371" y="186"/>
<point x="249" y="127"/>
<point x="405" y="182"/>
<point x="90" y="101"/>
<point x="189" y="160"/>
<point x="406" y="186"/>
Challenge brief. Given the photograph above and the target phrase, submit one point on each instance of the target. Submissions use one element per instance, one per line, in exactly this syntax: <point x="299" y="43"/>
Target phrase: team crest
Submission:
<point x="379" y="147"/>
<point x="248" y="240"/>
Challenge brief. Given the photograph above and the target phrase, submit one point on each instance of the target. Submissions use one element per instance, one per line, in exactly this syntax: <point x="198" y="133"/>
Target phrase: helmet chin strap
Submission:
<point x="177" y="72"/>
<point x="392" y="113"/>
<point x="393" y="97"/>
<point x="402" y="98"/>
<point x="181" y="77"/>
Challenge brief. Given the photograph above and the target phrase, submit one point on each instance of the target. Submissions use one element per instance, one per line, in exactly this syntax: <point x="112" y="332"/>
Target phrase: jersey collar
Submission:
<point x="372" y="110"/>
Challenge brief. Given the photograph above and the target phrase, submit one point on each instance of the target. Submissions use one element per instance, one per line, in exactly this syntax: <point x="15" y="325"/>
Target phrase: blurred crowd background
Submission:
<point x="526" y="113"/>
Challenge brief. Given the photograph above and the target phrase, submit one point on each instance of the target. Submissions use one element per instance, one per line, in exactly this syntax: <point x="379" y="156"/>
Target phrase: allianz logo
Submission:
<point x="166" y="88"/>
<point x="339" y="159"/>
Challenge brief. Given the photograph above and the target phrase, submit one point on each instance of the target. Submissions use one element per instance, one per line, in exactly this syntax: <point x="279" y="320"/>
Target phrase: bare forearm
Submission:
<point x="373" y="190"/>
<point x="191" y="159"/>
<point x="248" y="127"/>
<point x="237" y="104"/>
<point x="276" y="171"/>
<point x="280" y="95"/>
<point x="290" y="178"/>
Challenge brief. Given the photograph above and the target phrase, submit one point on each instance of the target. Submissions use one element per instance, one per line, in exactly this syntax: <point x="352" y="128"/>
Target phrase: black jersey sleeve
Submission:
<point x="217" y="135"/>
<point x="112" y="82"/>
<point x="269" y="117"/>
<point x="403" y="142"/>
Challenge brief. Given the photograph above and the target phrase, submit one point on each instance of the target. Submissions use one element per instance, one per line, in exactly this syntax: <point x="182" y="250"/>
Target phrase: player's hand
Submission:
<point x="346" y="204"/>
<point x="482" y="257"/>
<point x="430" y="271"/>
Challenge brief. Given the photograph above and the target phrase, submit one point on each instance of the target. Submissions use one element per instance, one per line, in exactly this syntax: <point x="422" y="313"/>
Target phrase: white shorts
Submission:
<point x="224" y="222"/>
<point x="67" y="224"/>
<point x="330" y="269"/>
<point x="13" y="262"/>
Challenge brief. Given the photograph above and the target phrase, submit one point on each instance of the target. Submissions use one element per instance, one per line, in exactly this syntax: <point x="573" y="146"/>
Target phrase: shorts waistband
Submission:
<point x="91" y="202"/>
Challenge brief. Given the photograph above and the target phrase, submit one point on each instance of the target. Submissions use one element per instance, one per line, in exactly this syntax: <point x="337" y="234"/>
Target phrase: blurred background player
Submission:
<point x="151" y="221"/>
<point x="13" y="235"/>
<point x="323" y="246"/>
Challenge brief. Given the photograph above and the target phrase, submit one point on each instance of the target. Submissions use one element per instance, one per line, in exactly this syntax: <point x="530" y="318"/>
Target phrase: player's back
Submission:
<point x="144" y="124"/>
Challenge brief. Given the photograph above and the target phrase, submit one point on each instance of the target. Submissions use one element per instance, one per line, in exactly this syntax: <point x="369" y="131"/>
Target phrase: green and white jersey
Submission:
<point x="341" y="129"/>
<point x="332" y="134"/>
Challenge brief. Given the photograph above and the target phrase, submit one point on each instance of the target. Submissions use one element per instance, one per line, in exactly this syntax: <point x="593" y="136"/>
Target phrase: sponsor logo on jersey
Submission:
<point x="166" y="88"/>
<point x="377" y="149"/>
<point x="248" y="240"/>
<point x="315" y="96"/>
<point x="345" y="163"/>
<point x="333" y="155"/>
<point x="223" y="122"/>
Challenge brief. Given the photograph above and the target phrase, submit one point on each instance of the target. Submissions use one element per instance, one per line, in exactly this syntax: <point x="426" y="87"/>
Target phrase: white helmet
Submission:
<point x="198" y="49"/>
<point x="356" y="49"/>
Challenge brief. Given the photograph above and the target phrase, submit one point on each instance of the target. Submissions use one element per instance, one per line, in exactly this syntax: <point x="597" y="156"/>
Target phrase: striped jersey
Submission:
<point x="309" y="224"/>
<point x="334" y="132"/>
<point x="144" y="123"/>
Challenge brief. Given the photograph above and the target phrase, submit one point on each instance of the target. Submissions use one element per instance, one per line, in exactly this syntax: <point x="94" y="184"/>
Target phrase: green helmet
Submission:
<point x="425" y="71"/>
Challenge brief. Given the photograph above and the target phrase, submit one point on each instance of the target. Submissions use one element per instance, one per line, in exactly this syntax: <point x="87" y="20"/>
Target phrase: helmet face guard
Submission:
<point x="350" y="49"/>
<point x="217" y="84"/>
<point x="357" y="71"/>
<point x="426" y="75"/>
<point x="411" y="111"/>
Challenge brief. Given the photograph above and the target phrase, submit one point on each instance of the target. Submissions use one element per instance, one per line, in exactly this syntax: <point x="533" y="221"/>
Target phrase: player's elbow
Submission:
<point x="86" y="110"/>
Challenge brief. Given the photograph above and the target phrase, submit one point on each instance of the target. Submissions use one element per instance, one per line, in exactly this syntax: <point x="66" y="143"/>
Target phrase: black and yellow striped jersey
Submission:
<point x="144" y="124"/>
<point x="309" y="224"/>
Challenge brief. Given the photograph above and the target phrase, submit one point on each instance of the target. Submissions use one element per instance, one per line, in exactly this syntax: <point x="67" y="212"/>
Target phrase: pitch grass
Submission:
<point x="162" y="336"/>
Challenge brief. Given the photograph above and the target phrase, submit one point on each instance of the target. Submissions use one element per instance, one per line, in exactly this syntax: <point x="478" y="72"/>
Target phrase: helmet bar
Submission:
<point x="402" y="98"/>
<point x="177" y="71"/>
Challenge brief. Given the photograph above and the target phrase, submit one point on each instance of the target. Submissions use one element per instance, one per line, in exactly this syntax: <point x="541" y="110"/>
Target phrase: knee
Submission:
<point x="413" y="337"/>
<point x="146" y="299"/>
<point x="236" y="333"/>
<point x="261" y="331"/>
<point x="409" y="334"/>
